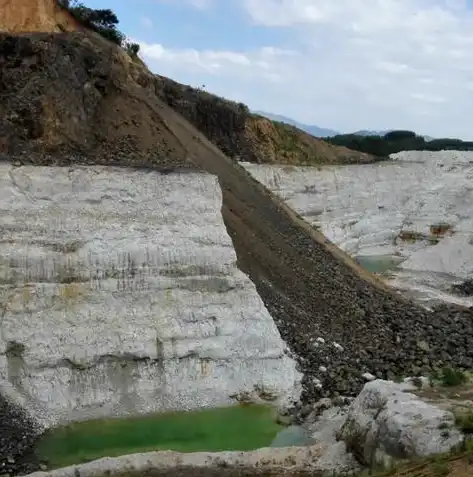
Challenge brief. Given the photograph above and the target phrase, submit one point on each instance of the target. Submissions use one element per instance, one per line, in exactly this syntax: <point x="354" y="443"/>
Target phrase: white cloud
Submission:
<point x="358" y="64"/>
<point x="261" y="63"/>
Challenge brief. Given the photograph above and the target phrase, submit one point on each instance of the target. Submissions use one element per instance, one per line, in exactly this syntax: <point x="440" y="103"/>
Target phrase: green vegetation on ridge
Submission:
<point x="102" y="21"/>
<point x="243" y="427"/>
<point x="397" y="141"/>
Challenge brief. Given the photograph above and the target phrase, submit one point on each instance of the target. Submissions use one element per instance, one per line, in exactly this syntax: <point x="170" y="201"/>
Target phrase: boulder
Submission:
<point x="323" y="433"/>
<point x="386" y="423"/>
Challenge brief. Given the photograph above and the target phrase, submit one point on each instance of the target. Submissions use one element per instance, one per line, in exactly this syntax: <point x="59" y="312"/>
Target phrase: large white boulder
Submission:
<point x="120" y="294"/>
<point x="386" y="422"/>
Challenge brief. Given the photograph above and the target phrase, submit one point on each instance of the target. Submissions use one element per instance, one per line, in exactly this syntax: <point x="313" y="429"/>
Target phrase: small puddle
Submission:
<point x="381" y="264"/>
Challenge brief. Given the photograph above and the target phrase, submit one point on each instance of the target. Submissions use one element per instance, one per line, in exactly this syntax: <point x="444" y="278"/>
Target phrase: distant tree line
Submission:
<point x="102" y="21"/>
<point x="396" y="141"/>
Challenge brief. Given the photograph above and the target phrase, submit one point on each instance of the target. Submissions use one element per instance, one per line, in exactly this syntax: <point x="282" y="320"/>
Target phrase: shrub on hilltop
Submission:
<point x="102" y="21"/>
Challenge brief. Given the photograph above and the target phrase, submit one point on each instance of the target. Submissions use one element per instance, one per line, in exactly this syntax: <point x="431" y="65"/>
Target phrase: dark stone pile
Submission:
<point x="381" y="336"/>
<point x="18" y="436"/>
<point x="313" y="291"/>
<point x="464" y="288"/>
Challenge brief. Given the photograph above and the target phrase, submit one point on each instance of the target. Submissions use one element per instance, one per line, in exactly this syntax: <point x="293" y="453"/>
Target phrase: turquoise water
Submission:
<point x="378" y="263"/>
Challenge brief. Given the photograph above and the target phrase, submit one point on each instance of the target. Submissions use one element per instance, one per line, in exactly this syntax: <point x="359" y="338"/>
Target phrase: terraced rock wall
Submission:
<point x="120" y="295"/>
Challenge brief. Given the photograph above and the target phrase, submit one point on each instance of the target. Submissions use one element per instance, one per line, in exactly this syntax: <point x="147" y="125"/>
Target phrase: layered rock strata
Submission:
<point x="120" y="295"/>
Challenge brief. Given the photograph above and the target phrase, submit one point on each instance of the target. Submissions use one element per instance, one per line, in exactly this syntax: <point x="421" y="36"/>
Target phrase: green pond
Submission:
<point x="244" y="427"/>
<point x="378" y="263"/>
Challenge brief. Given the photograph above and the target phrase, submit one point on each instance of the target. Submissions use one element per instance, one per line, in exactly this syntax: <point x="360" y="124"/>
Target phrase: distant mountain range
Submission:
<point x="322" y="132"/>
<point x="314" y="130"/>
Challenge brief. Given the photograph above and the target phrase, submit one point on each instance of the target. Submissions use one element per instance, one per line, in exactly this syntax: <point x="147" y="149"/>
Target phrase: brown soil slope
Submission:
<point x="20" y="16"/>
<point x="68" y="97"/>
<point x="229" y="125"/>
<point x="245" y="136"/>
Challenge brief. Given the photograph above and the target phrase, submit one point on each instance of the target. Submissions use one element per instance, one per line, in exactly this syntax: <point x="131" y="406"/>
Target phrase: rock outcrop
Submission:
<point x="387" y="423"/>
<point x="21" y="16"/>
<point x="265" y="462"/>
<point x="120" y="295"/>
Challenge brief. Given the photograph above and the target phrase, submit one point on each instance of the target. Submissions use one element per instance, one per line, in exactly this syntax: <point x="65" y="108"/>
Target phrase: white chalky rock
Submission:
<point x="386" y="422"/>
<point x="324" y="433"/>
<point x="419" y="382"/>
<point x="364" y="208"/>
<point x="121" y="295"/>
<point x="368" y="377"/>
<point x="308" y="460"/>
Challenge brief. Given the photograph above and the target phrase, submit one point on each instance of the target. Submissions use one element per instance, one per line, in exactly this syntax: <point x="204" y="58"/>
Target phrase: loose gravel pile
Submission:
<point x="337" y="337"/>
<point x="18" y="435"/>
<point x="338" y="322"/>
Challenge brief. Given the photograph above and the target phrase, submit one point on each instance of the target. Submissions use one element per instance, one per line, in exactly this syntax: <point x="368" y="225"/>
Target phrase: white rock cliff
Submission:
<point x="120" y="294"/>
<point x="365" y="209"/>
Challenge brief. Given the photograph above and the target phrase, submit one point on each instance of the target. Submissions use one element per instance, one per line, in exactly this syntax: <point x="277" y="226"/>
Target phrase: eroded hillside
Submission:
<point x="245" y="136"/>
<point x="70" y="97"/>
<point x="20" y="16"/>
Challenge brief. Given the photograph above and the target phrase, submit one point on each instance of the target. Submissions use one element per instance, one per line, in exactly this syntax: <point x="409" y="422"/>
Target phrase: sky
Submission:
<point x="340" y="64"/>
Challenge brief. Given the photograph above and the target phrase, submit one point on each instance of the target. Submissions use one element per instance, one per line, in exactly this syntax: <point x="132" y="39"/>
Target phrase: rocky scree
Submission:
<point x="18" y="436"/>
<point x="337" y="323"/>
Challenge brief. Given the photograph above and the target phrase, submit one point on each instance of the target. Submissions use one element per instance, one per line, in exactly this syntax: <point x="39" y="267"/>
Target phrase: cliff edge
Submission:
<point x="21" y="16"/>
